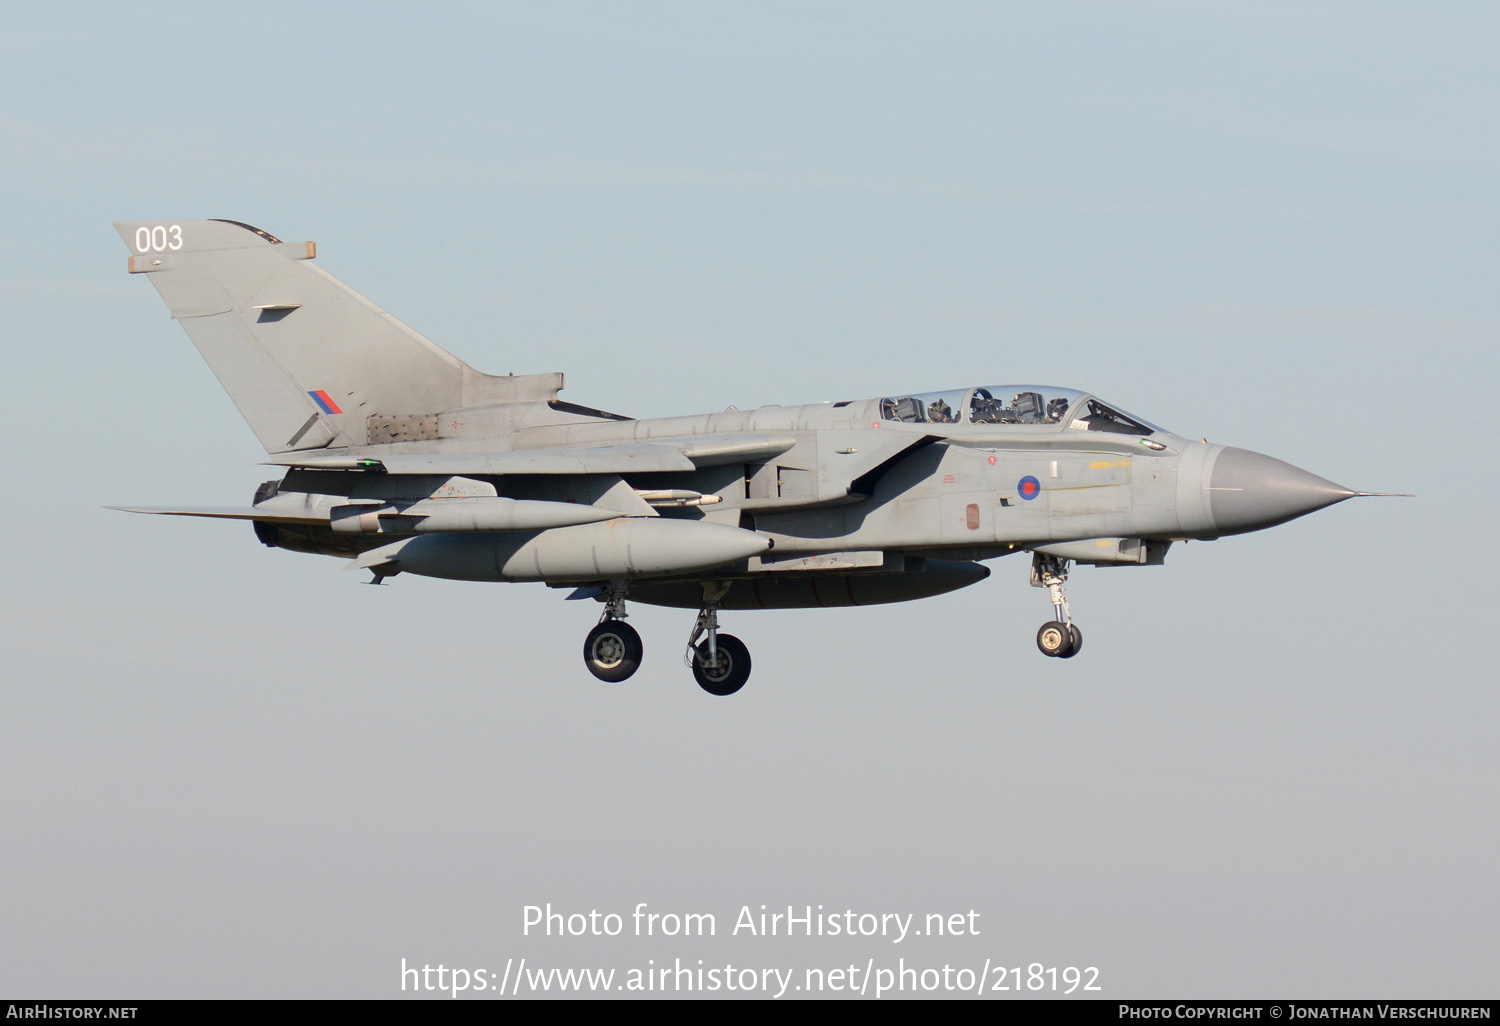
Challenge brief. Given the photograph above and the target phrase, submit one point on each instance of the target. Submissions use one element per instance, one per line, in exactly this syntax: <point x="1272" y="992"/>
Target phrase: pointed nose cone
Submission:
<point x="1249" y="491"/>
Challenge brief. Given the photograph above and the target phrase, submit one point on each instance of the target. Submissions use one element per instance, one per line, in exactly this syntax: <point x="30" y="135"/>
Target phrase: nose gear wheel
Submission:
<point x="1059" y="637"/>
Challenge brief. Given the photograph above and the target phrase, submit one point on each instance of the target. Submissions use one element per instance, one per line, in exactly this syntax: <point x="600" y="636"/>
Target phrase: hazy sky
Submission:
<point x="232" y="771"/>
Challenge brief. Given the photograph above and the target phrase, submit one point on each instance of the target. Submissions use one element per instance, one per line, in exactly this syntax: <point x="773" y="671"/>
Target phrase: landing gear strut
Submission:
<point x="1059" y="637"/>
<point x="721" y="662"/>
<point x="612" y="651"/>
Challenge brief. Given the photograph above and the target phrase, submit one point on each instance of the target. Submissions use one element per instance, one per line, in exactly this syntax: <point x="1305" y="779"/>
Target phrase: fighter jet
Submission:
<point x="400" y="458"/>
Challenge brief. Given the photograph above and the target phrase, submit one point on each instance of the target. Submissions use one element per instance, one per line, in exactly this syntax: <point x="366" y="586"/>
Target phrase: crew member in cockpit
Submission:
<point x="939" y="412"/>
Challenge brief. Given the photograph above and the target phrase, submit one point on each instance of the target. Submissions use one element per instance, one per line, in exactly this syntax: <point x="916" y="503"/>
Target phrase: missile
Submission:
<point x="660" y="498"/>
<point x="479" y="513"/>
<point x="627" y="547"/>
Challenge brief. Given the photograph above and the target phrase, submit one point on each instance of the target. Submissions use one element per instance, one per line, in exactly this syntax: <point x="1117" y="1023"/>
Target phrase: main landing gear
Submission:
<point x="612" y="651"/>
<point x="1059" y="637"/>
<point x="720" y="662"/>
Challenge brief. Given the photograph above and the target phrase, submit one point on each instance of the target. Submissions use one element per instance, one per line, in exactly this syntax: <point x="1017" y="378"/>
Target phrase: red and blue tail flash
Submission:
<point x="325" y="404"/>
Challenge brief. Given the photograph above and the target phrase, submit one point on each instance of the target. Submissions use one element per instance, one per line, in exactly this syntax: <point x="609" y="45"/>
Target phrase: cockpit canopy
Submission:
<point x="1037" y="405"/>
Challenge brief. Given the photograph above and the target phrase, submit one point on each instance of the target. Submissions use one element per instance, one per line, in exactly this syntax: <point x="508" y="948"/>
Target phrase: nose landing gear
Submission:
<point x="1059" y="637"/>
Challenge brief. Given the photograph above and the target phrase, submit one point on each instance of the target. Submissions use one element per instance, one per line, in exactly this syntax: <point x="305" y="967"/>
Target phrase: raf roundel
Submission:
<point x="1029" y="487"/>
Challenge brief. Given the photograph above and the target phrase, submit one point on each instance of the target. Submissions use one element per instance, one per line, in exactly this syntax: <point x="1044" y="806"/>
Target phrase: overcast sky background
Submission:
<point x="232" y="771"/>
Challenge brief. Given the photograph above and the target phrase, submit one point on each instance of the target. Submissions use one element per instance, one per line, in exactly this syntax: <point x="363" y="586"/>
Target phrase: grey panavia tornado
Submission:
<point x="401" y="458"/>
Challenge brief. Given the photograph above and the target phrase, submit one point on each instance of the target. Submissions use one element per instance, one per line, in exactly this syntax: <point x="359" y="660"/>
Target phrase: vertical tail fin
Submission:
<point x="307" y="360"/>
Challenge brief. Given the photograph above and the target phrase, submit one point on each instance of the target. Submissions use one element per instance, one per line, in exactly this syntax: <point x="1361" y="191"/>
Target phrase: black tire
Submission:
<point x="1053" y="639"/>
<point x="1077" y="642"/>
<point x="731" y="671"/>
<point x="612" y="651"/>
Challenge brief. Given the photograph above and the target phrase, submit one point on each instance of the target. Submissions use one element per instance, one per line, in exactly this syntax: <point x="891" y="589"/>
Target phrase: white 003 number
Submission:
<point x="158" y="239"/>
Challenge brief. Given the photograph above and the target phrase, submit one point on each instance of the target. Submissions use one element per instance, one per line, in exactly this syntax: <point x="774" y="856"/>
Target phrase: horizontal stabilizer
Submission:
<point x="230" y="513"/>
